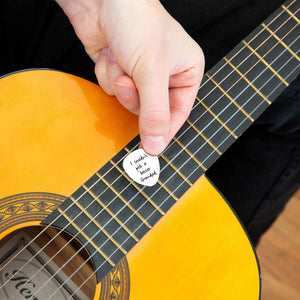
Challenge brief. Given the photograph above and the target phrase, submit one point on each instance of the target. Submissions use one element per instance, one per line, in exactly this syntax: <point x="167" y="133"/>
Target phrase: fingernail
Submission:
<point x="153" y="145"/>
<point x="123" y="90"/>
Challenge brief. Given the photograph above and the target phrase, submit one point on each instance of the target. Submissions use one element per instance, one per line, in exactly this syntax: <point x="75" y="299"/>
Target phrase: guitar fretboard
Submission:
<point x="109" y="214"/>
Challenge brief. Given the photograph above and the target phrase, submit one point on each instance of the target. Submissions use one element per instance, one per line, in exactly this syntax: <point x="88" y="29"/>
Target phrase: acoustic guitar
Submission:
<point x="114" y="238"/>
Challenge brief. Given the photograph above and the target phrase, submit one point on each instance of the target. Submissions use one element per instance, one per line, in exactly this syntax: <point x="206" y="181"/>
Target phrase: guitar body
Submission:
<point x="56" y="131"/>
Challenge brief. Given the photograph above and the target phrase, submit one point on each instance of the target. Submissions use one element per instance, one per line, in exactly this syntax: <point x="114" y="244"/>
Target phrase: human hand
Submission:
<point x="145" y="58"/>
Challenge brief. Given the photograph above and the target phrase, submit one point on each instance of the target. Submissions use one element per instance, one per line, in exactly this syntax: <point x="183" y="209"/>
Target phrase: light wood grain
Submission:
<point x="279" y="255"/>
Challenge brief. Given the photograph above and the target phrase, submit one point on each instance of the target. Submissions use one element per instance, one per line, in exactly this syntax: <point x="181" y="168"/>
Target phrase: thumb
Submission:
<point x="154" y="118"/>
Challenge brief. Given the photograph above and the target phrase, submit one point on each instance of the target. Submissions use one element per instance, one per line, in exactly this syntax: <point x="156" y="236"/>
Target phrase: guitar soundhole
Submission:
<point x="43" y="264"/>
<point x="40" y="264"/>
<point x="34" y="268"/>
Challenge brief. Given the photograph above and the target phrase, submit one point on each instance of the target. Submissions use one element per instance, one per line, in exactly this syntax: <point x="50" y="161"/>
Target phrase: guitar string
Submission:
<point x="121" y="245"/>
<point x="166" y="199"/>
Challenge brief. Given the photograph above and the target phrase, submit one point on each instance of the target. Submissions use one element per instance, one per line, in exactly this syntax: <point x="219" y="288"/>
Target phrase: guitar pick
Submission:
<point x="142" y="168"/>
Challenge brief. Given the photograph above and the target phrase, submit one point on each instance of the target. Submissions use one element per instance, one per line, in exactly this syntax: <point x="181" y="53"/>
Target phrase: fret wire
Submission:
<point x="175" y="169"/>
<point x="93" y="220"/>
<point x="178" y="156"/>
<point x="290" y="13"/>
<point x="226" y="100"/>
<point x="104" y="209"/>
<point x="229" y="74"/>
<point x="98" y="225"/>
<point x="137" y="188"/>
<point x="170" y="179"/>
<point x="119" y="207"/>
<point x="291" y="5"/>
<point x="190" y="154"/>
<point x="155" y="207"/>
<point x="275" y="49"/>
<point x="293" y="16"/>
<point x="86" y="237"/>
<point x="251" y="68"/>
<point x="249" y="42"/>
<point x="127" y="149"/>
<point x="204" y="137"/>
<point x="241" y="91"/>
<point x="216" y="118"/>
<point x="281" y="42"/>
<point x="247" y="80"/>
<point x="110" y="212"/>
<point x="167" y="190"/>
<point x="126" y="203"/>
<point x="270" y="79"/>
<point x="292" y="73"/>
<point x="169" y="194"/>
<point x="233" y="102"/>
<point x="279" y="33"/>
<point x="261" y="59"/>
<point x="283" y="71"/>
<point x="164" y="187"/>
<point x="297" y="68"/>
<point x="273" y="91"/>
<point x="192" y="141"/>
<point x="295" y="8"/>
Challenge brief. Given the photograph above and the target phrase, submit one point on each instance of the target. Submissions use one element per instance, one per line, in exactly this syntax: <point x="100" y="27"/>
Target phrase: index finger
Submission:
<point x="154" y="120"/>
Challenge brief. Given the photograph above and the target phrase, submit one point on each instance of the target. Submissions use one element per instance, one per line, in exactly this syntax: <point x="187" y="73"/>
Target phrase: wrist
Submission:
<point x="77" y="7"/>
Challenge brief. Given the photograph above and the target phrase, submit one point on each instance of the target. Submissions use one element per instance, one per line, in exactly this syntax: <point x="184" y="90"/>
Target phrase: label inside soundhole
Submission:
<point x="27" y="272"/>
<point x="142" y="168"/>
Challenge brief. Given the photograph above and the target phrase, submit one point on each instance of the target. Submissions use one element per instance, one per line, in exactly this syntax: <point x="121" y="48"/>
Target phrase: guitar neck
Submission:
<point x="110" y="213"/>
<point x="242" y="85"/>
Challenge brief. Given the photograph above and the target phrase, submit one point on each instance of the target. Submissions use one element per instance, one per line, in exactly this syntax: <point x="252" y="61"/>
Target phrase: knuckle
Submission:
<point x="104" y="81"/>
<point x="155" y="121"/>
